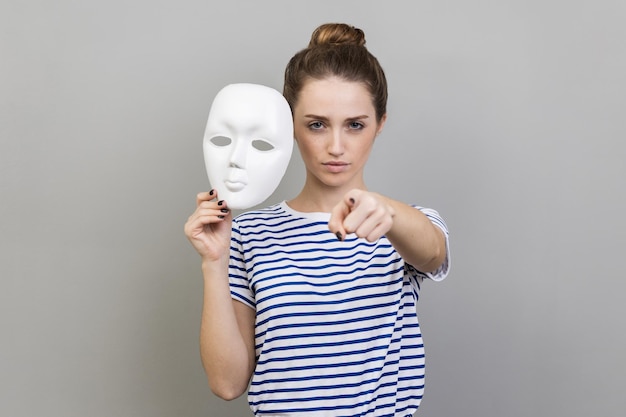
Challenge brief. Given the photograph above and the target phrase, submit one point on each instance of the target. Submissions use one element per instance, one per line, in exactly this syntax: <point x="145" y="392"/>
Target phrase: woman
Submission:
<point x="311" y="302"/>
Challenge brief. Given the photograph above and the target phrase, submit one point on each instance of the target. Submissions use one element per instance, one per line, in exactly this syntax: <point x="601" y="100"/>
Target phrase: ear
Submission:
<point x="381" y="124"/>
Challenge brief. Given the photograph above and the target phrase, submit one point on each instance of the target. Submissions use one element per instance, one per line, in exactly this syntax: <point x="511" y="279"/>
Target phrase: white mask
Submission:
<point x="247" y="143"/>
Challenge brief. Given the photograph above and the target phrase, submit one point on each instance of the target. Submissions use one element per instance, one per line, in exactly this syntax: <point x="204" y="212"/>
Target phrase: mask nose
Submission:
<point x="238" y="155"/>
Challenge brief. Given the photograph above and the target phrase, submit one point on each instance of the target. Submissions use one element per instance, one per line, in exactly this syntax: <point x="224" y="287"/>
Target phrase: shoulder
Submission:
<point x="262" y="213"/>
<point x="264" y="219"/>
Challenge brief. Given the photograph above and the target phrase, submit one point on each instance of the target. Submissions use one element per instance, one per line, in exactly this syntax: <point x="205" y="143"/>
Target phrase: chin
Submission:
<point x="335" y="181"/>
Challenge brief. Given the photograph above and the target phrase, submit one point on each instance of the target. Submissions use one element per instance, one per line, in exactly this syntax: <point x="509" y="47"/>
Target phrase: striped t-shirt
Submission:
<point x="336" y="323"/>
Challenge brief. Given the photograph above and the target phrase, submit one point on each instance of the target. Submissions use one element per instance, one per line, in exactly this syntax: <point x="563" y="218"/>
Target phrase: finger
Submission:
<point x="209" y="209"/>
<point x="212" y="209"/>
<point x="206" y="201"/>
<point x="372" y="231"/>
<point x="358" y="216"/>
<point x="222" y="204"/>
<point x="337" y="217"/>
<point x="206" y="196"/>
<point x="203" y="218"/>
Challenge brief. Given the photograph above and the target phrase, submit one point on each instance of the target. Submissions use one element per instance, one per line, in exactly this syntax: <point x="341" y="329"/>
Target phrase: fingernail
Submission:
<point x="339" y="235"/>
<point x="224" y="210"/>
<point x="351" y="200"/>
<point x="220" y="216"/>
<point x="211" y="192"/>
<point x="219" y="203"/>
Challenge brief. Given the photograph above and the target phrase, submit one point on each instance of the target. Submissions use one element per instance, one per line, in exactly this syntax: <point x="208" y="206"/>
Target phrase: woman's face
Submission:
<point x="335" y="126"/>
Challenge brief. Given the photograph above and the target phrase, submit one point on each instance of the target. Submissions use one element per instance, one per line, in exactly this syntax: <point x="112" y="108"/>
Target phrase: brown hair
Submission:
<point x="337" y="49"/>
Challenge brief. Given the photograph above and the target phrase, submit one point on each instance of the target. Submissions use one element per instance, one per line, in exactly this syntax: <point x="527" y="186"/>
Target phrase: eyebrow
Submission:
<point x="324" y="118"/>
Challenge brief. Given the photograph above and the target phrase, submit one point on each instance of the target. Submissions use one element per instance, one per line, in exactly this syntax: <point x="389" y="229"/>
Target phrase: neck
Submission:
<point x="318" y="198"/>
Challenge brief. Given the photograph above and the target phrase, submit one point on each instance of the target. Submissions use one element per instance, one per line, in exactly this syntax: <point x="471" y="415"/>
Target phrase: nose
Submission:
<point x="238" y="155"/>
<point x="335" y="144"/>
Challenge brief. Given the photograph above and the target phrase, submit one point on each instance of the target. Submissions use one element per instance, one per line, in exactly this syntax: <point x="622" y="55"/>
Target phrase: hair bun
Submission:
<point x="337" y="34"/>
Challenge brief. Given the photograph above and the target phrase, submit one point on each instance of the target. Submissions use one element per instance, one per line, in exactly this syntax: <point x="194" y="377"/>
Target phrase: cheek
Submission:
<point x="365" y="149"/>
<point x="308" y="151"/>
<point x="299" y="134"/>
<point x="303" y="142"/>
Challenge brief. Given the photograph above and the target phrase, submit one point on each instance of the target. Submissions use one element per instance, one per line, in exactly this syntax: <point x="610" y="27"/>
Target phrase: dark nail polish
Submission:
<point x="224" y="210"/>
<point x="211" y="192"/>
<point x="352" y="201"/>
<point x="339" y="235"/>
<point x="219" y="203"/>
<point x="220" y="216"/>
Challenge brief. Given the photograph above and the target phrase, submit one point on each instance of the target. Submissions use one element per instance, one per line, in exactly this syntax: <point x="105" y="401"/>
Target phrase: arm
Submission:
<point x="227" y="326"/>
<point x="371" y="215"/>
<point x="416" y="238"/>
<point x="226" y="337"/>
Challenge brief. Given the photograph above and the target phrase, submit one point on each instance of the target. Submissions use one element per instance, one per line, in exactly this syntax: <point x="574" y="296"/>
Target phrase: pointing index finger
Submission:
<point x="337" y="217"/>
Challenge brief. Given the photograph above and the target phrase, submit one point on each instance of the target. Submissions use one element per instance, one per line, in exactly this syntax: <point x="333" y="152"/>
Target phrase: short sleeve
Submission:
<point x="438" y="221"/>
<point x="237" y="272"/>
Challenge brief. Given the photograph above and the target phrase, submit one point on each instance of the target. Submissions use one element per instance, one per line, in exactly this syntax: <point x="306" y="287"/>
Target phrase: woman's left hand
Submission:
<point x="364" y="213"/>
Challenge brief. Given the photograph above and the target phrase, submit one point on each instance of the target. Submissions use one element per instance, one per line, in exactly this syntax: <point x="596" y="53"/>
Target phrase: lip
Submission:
<point x="336" y="166"/>
<point x="235" y="186"/>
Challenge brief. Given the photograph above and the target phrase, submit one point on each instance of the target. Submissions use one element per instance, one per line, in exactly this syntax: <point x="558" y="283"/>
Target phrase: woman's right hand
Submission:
<point x="209" y="227"/>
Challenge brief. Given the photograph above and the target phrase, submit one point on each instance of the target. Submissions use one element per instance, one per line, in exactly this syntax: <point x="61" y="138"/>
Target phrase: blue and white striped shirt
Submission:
<point x="336" y="325"/>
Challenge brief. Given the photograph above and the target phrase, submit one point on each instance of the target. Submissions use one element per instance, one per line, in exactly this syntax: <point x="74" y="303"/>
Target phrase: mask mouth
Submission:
<point x="235" y="186"/>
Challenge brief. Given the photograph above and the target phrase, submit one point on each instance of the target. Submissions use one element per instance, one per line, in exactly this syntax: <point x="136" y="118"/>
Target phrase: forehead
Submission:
<point x="334" y="94"/>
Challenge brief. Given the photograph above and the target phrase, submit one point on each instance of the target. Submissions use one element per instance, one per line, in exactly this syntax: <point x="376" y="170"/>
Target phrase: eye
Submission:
<point x="355" y="125"/>
<point x="221" y="141"/>
<point x="262" y="145"/>
<point x="316" y="125"/>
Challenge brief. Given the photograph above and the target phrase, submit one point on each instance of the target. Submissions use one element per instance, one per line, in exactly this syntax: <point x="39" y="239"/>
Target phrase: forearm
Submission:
<point x="226" y="341"/>
<point x="416" y="238"/>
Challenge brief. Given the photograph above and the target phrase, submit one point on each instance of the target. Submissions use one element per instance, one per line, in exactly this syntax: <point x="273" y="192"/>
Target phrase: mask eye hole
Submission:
<point x="221" y="141"/>
<point x="262" y="145"/>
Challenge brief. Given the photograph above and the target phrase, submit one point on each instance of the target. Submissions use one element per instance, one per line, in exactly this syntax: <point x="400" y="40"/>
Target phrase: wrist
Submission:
<point x="212" y="266"/>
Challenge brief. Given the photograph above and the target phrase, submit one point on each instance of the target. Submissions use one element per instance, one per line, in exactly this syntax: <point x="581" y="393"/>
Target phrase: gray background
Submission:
<point x="506" y="116"/>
